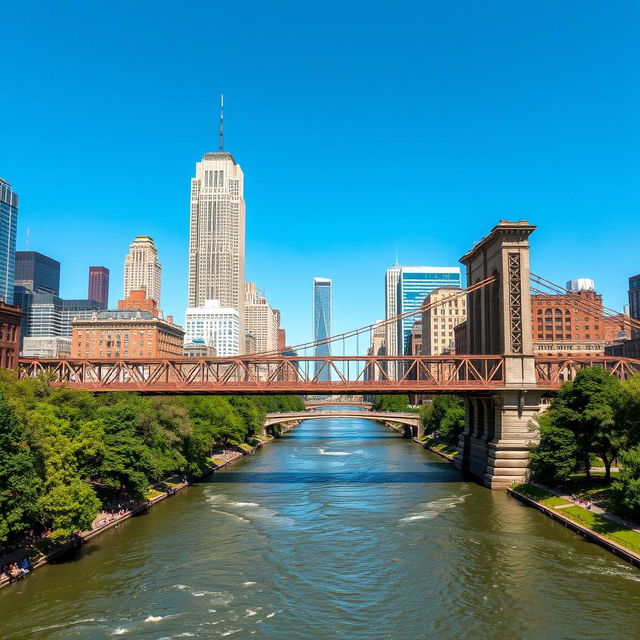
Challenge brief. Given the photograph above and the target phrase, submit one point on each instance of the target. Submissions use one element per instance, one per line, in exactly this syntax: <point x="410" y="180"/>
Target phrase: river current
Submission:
<point x="339" y="530"/>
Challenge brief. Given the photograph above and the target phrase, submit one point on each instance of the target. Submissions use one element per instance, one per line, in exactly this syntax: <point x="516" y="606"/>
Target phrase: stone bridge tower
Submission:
<point x="494" y="445"/>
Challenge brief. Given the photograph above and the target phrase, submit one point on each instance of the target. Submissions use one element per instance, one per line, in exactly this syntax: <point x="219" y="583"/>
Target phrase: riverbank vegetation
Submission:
<point x="593" y="421"/>
<point x="63" y="453"/>
<point x="443" y="419"/>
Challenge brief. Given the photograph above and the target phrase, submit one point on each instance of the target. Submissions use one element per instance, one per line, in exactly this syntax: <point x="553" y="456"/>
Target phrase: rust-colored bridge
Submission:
<point x="463" y="374"/>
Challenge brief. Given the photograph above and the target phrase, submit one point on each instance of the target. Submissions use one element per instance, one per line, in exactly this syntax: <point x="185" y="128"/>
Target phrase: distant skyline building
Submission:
<point x="214" y="326"/>
<point x="391" y="279"/>
<point x="634" y="301"/>
<point x="260" y="319"/>
<point x="37" y="272"/>
<point x="439" y="323"/>
<point x="414" y="285"/>
<point x="142" y="269"/>
<point x="8" y="230"/>
<point x="322" y="314"/>
<point x="99" y="285"/>
<point x="217" y="232"/>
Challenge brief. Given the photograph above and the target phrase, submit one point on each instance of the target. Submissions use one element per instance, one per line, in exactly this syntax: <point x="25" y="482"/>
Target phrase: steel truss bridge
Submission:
<point x="307" y="375"/>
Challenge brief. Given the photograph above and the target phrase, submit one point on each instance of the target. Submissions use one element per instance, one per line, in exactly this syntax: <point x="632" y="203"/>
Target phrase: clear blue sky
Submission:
<point x="360" y="127"/>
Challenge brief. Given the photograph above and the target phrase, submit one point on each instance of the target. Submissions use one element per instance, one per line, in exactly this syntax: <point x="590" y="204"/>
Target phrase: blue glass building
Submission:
<point x="414" y="285"/>
<point x="322" y="319"/>
<point x="8" y="228"/>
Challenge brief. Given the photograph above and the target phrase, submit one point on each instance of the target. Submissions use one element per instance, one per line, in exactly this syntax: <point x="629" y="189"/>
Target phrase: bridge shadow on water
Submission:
<point x="346" y="477"/>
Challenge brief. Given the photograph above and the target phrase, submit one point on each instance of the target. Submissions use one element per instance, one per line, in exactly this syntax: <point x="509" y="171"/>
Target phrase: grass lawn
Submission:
<point x="617" y="533"/>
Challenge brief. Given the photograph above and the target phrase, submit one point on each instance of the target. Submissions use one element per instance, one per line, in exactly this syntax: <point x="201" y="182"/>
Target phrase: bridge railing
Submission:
<point x="301" y="374"/>
<point x="304" y="375"/>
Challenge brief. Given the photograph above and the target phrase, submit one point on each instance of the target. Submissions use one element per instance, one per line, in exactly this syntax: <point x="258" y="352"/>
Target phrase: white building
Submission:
<point x="215" y="325"/>
<point x="217" y="233"/>
<point x="261" y="321"/>
<point x="46" y="347"/>
<point x="142" y="271"/>
<point x="391" y="279"/>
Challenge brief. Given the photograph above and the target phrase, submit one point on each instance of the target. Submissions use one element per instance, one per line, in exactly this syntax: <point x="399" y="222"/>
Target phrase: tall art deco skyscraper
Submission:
<point x="142" y="270"/>
<point x="217" y="232"/>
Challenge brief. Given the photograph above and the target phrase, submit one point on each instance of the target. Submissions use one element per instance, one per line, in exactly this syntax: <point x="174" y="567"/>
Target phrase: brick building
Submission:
<point x="10" y="319"/>
<point x="439" y="323"/>
<point x="126" y="334"/>
<point x="570" y="325"/>
<point x="138" y="301"/>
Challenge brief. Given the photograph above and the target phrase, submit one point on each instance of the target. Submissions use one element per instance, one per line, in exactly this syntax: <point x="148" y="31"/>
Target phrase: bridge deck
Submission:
<point x="462" y="374"/>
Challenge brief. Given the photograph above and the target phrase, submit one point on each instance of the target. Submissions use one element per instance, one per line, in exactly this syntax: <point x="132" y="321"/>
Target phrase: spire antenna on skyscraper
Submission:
<point x="221" y="145"/>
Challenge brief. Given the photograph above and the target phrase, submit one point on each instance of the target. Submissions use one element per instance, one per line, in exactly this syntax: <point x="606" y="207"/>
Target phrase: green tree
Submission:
<point x="624" y="495"/>
<point x="591" y="407"/>
<point x="19" y="481"/>
<point x="391" y="402"/>
<point x="554" y="458"/>
<point x="444" y="414"/>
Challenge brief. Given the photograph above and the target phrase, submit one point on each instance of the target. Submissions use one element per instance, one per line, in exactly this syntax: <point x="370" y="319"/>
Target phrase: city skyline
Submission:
<point x="457" y="132"/>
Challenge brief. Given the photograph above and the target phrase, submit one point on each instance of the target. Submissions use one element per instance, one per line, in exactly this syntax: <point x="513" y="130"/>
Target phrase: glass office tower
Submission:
<point x="322" y="321"/>
<point x="8" y="229"/>
<point x="414" y="285"/>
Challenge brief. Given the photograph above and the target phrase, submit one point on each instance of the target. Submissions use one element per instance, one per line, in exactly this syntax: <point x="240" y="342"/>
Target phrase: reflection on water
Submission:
<point x="341" y="530"/>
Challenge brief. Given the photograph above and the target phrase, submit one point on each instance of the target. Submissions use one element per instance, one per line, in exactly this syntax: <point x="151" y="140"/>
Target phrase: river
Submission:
<point x="339" y="530"/>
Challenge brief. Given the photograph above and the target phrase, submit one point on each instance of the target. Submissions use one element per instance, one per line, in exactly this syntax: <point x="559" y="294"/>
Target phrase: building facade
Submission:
<point x="51" y="316"/>
<point x="322" y="315"/>
<point x="10" y="319"/>
<point x="37" y="273"/>
<point x="217" y="233"/>
<point x="439" y="323"/>
<point x="138" y="301"/>
<point x="414" y="285"/>
<point x="126" y="334"/>
<point x="142" y="270"/>
<point x="574" y="324"/>
<point x="8" y="230"/>
<point x="260" y="319"/>
<point x="213" y="326"/>
<point x="99" y="285"/>
<point x="391" y="280"/>
<point x="634" y="301"/>
<point x="46" y="347"/>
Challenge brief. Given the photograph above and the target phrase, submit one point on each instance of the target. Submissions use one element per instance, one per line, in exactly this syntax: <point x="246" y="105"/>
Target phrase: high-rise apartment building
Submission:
<point x="214" y="326"/>
<point x="217" y="233"/>
<point x="322" y="313"/>
<point x="142" y="270"/>
<point x="439" y="323"/>
<point x="8" y="229"/>
<point x="99" y="285"/>
<point x="260" y="319"/>
<point x="413" y="285"/>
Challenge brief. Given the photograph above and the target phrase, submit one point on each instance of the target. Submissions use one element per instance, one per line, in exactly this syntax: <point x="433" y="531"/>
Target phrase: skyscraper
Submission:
<point x="8" y="228"/>
<point x="391" y="278"/>
<point x="37" y="273"/>
<point x="99" y="285"/>
<point x="414" y="285"/>
<point x="322" y="320"/>
<point x="142" y="269"/>
<point x="261" y="320"/>
<point x="215" y="326"/>
<point x="217" y="232"/>
<point x="634" y="301"/>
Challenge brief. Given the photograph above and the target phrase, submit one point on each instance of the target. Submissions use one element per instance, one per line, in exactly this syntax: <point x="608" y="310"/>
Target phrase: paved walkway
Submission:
<point x="594" y="507"/>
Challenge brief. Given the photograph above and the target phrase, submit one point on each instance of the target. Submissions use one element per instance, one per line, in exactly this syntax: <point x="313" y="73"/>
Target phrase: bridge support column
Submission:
<point x="494" y="445"/>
